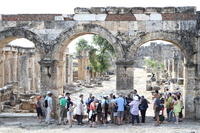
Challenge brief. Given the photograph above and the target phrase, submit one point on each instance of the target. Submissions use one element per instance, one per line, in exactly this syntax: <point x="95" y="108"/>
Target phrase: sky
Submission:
<point x="67" y="7"/>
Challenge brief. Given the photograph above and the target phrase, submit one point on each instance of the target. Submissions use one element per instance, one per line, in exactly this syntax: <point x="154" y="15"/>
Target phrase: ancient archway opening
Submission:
<point x="159" y="65"/>
<point x="19" y="74"/>
<point x="90" y="64"/>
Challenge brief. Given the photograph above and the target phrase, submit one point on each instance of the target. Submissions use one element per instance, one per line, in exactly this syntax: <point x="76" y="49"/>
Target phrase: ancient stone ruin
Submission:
<point x="125" y="28"/>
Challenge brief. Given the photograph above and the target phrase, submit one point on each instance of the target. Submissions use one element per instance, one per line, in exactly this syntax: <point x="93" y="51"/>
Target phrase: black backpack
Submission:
<point x="46" y="103"/>
<point x="99" y="108"/>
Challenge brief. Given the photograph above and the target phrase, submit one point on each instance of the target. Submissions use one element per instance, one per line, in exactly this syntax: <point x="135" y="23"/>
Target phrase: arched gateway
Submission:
<point x="125" y="28"/>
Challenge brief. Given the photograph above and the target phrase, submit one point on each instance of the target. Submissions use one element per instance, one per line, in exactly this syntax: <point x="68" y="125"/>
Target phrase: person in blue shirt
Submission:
<point x="120" y="103"/>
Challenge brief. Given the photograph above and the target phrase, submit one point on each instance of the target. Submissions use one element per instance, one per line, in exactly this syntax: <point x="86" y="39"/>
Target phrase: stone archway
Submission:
<point x="186" y="43"/>
<point x="81" y="29"/>
<point x="60" y="44"/>
<point x="13" y="33"/>
<point x="20" y="64"/>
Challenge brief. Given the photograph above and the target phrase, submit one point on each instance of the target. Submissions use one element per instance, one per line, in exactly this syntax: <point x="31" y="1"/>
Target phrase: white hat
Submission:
<point x="49" y="92"/>
<point x="136" y="98"/>
<point x="60" y="96"/>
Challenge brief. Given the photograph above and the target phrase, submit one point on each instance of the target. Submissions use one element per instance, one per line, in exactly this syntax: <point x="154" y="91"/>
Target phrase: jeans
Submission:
<point x="171" y="116"/>
<point x="135" y="117"/>
<point x="143" y="114"/>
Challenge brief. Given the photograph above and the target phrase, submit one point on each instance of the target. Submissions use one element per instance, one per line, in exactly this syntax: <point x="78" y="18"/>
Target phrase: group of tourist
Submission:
<point x="110" y="109"/>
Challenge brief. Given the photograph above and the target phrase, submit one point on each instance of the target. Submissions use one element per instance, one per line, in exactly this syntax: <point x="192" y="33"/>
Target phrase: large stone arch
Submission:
<point x="184" y="41"/>
<point x="71" y="33"/>
<point x="13" y="33"/>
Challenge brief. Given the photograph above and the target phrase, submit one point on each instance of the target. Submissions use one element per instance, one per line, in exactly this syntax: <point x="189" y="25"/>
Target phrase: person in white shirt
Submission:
<point x="80" y="110"/>
<point x="49" y="107"/>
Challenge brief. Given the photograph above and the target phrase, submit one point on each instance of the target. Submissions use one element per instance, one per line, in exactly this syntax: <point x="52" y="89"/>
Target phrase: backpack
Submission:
<point x="99" y="108"/>
<point x="45" y="103"/>
<point x="106" y="106"/>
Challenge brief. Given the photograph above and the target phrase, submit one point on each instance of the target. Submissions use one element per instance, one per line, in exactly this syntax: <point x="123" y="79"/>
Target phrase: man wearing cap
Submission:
<point x="63" y="108"/>
<point x="49" y="107"/>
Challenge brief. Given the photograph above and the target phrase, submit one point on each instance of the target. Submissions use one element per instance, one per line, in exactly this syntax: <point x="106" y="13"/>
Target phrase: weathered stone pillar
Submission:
<point x="51" y="76"/>
<point x="83" y="63"/>
<point x="14" y="66"/>
<point x="189" y="91"/>
<point x="174" y="68"/>
<point x="125" y="76"/>
<point x="2" y="60"/>
<point x="69" y="69"/>
<point x="23" y="77"/>
<point x="7" y="68"/>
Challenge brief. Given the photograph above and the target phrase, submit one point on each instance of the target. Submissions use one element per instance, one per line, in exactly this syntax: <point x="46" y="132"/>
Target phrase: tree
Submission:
<point x="81" y="45"/>
<point x="155" y="66"/>
<point x="99" y="56"/>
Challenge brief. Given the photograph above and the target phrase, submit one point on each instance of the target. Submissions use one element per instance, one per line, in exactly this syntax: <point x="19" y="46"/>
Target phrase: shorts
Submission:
<point x="120" y="114"/>
<point x="115" y="114"/>
<point x="69" y="115"/>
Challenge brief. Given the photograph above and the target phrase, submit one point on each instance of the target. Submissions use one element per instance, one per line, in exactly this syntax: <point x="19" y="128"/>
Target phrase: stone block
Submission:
<point x="80" y="10"/>
<point x="137" y="10"/>
<point x="132" y="25"/>
<point x="153" y="26"/>
<point x="120" y="17"/>
<point x="153" y="10"/>
<point x="168" y="10"/>
<point x="188" y="25"/>
<point x="59" y="18"/>
<point x="171" y="25"/>
<point x="155" y="16"/>
<point x="124" y="10"/>
<point x="90" y="17"/>
<point x="112" y="10"/>
<point x="141" y="17"/>
<point x="186" y="9"/>
<point x="98" y="10"/>
<point x="26" y="105"/>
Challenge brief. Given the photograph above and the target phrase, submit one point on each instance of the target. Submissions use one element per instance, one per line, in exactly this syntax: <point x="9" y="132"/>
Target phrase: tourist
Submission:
<point x="99" y="112"/>
<point x="110" y="109"/>
<point x="169" y="106"/>
<point x="62" y="108"/>
<point x="157" y="108"/>
<point x="88" y="102"/>
<point x="80" y="110"/>
<point x="115" y="107"/>
<point x="105" y="106"/>
<point x="177" y="108"/>
<point x="134" y="109"/>
<point x="49" y="106"/>
<point x="70" y="112"/>
<point x="93" y="113"/>
<point x="143" y="108"/>
<point x="120" y="102"/>
<point x="38" y="106"/>
<point x="127" y="115"/>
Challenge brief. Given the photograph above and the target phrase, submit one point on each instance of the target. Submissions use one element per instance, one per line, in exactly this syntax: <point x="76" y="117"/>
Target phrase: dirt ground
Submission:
<point x="31" y="124"/>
